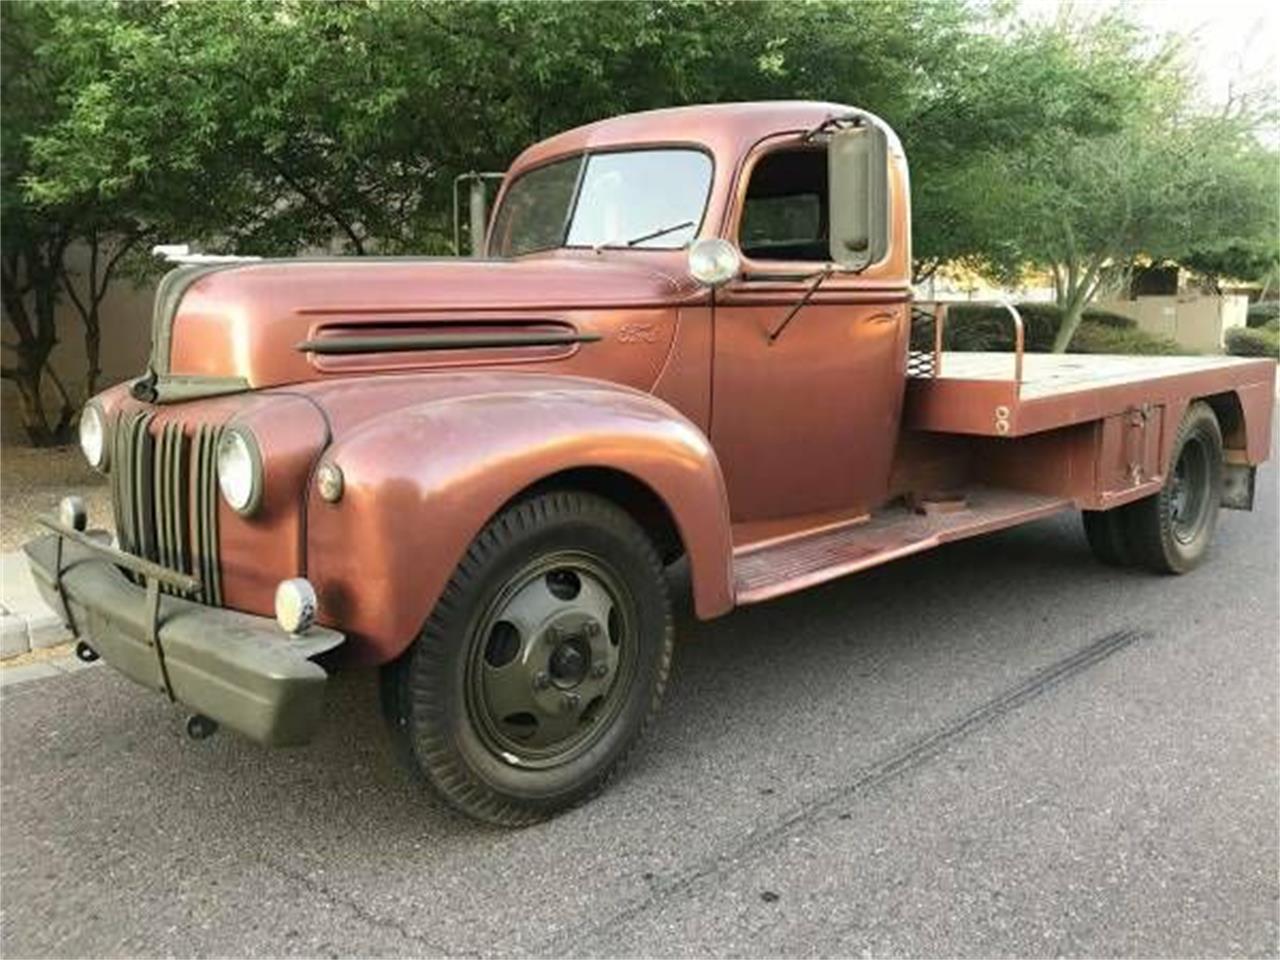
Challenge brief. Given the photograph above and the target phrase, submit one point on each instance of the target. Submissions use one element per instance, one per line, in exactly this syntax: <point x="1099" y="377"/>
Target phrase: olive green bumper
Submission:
<point x="243" y="671"/>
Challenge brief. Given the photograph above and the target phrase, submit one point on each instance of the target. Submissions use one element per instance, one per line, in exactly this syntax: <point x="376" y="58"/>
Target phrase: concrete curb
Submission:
<point x="41" y="670"/>
<point x="26" y="622"/>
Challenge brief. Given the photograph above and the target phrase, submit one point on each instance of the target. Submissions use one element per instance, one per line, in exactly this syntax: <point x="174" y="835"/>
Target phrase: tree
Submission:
<point x="31" y="247"/>
<point x="40" y="66"/>
<point x="1152" y="180"/>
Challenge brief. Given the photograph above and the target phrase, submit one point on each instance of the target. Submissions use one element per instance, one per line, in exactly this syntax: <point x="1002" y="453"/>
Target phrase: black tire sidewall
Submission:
<point x="1199" y="424"/>
<point x="436" y="701"/>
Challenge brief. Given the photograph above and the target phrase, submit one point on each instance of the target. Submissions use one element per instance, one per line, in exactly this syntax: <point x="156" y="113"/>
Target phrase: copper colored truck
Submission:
<point x="689" y="336"/>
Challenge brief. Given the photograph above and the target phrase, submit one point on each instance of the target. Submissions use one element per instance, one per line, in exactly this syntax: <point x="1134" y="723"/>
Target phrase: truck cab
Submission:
<point x="689" y="336"/>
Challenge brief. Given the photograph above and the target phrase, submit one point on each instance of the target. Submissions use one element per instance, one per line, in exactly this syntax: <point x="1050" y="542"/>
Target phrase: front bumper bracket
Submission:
<point x="241" y="670"/>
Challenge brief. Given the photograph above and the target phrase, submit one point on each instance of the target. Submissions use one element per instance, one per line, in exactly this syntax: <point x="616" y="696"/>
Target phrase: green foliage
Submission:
<point x="1095" y="337"/>
<point x="1248" y="260"/>
<point x="1263" y="314"/>
<point x="1145" y="176"/>
<point x="1254" y="341"/>
<point x="985" y="327"/>
<point x="981" y="327"/>
<point x="273" y="128"/>
<point x="284" y="126"/>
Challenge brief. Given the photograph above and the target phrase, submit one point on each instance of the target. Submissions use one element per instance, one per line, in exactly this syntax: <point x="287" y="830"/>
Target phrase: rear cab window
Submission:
<point x="784" y="212"/>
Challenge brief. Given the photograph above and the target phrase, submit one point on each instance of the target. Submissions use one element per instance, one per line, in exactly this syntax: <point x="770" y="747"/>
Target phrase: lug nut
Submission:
<point x="541" y="681"/>
<point x="571" y="701"/>
<point x="552" y="636"/>
<point x="591" y="629"/>
<point x="599" y="670"/>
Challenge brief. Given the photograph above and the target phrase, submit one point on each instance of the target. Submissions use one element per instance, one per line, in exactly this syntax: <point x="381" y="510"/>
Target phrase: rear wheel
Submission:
<point x="1108" y="539"/>
<point x="1171" y="531"/>
<point x="541" y="664"/>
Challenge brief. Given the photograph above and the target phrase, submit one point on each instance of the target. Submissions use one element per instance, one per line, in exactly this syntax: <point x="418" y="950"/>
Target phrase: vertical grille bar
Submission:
<point x="178" y="480"/>
<point x="163" y="510"/>
<point x="205" y="514"/>
<point x="164" y="497"/>
<point x="171" y="470"/>
<point x="143" y="487"/>
<point x="120" y="458"/>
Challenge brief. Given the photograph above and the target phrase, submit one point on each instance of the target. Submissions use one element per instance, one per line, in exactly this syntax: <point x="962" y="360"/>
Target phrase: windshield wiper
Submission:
<point x="651" y="235"/>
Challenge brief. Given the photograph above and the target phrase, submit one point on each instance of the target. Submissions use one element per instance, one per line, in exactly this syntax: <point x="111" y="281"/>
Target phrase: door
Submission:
<point x="805" y="422"/>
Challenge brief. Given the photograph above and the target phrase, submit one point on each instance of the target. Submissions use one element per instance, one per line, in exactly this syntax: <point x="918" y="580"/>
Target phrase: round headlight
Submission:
<point x="713" y="261"/>
<point x="239" y="470"/>
<point x="93" y="435"/>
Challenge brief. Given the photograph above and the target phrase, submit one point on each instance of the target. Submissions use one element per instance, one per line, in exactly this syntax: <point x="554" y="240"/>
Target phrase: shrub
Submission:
<point x="973" y="326"/>
<point x="1263" y="314"/>
<point x="1253" y="342"/>
<point x="1116" y="321"/>
<point x="1094" y="336"/>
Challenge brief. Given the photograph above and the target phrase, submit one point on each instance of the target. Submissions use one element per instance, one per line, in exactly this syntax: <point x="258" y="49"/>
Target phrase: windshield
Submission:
<point x="643" y="199"/>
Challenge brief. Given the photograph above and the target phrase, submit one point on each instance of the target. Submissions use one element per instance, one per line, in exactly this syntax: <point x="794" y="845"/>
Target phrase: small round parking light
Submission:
<point x="713" y="261"/>
<point x="329" y="482"/>
<point x="295" y="605"/>
<point x="72" y="513"/>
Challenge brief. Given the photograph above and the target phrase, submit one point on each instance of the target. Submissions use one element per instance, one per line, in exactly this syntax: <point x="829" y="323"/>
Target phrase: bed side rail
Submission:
<point x="929" y="364"/>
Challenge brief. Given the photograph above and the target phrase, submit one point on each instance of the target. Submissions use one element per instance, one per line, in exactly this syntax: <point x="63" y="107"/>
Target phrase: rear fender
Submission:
<point x="420" y="482"/>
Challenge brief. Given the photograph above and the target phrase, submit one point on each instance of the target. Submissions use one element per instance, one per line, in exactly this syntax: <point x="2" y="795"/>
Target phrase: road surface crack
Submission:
<point x="343" y="901"/>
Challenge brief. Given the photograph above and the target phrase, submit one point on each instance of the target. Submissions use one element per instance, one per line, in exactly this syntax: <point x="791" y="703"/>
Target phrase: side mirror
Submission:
<point x="713" y="262"/>
<point x="858" y="183"/>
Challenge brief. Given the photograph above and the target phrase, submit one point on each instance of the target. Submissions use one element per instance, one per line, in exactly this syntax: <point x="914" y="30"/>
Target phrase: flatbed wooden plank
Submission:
<point x="1053" y="374"/>
<point x="975" y="393"/>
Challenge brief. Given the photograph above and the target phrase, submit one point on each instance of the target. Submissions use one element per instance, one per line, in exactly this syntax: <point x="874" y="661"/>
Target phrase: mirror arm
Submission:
<point x="799" y="304"/>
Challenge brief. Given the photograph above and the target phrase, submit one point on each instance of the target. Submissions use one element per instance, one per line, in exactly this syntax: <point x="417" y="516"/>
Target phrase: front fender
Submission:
<point x="422" y="480"/>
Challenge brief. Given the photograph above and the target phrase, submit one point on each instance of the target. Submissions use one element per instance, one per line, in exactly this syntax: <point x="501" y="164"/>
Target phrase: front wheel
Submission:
<point x="1171" y="531"/>
<point x="542" y="663"/>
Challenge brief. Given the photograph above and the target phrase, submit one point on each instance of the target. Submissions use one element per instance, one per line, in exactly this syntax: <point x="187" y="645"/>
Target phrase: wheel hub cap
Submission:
<point x="551" y="652"/>
<point x="1189" y="492"/>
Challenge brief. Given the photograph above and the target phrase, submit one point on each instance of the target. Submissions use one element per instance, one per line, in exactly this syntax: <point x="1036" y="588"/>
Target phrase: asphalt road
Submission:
<point x="999" y="748"/>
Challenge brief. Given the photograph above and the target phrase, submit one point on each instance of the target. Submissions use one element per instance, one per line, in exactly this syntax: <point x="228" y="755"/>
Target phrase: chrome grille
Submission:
<point x="164" y="492"/>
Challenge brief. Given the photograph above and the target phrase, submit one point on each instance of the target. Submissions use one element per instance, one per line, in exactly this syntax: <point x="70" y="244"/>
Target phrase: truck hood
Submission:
<point x="238" y="326"/>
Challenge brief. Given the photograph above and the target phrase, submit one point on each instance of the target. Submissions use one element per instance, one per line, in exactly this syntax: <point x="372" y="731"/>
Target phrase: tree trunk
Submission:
<point x="92" y="352"/>
<point x="1072" y="313"/>
<point x="35" y="422"/>
<point x="33" y="272"/>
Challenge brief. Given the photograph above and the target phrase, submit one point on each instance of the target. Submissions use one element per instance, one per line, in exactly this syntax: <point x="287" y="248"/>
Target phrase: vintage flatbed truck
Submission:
<point x="689" y="337"/>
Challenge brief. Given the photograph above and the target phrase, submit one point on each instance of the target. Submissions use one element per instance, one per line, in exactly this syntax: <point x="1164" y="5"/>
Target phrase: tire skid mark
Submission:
<point x="913" y="754"/>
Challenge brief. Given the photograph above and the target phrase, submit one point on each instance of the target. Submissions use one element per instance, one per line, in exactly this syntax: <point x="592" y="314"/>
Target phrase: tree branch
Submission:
<point x="313" y="198"/>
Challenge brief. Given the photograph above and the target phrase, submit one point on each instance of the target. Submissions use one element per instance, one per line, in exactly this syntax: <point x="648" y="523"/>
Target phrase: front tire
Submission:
<point x="542" y="663"/>
<point x="1171" y="531"/>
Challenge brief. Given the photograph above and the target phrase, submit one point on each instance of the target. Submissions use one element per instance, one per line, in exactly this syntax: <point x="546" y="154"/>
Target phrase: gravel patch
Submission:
<point x="32" y="481"/>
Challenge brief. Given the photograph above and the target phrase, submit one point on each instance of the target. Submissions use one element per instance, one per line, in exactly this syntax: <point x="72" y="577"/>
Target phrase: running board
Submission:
<point x="771" y="570"/>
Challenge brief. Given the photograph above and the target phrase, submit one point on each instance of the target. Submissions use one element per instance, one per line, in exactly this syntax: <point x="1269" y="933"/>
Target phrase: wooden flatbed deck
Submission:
<point x="977" y="393"/>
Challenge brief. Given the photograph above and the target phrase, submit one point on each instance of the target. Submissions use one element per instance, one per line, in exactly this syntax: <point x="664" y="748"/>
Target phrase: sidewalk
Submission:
<point x="26" y="622"/>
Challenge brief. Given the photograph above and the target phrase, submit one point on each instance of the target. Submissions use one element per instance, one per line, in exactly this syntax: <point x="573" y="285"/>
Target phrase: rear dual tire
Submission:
<point x="1169" y="532"/>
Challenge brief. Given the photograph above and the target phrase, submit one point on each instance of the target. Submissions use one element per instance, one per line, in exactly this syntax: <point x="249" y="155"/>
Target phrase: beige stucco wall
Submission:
<point x="1196" y="321"/>
<point x="126" y="331"/>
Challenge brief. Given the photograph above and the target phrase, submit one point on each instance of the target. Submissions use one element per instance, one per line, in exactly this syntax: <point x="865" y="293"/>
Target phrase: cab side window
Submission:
<point x="784" y="215"/>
